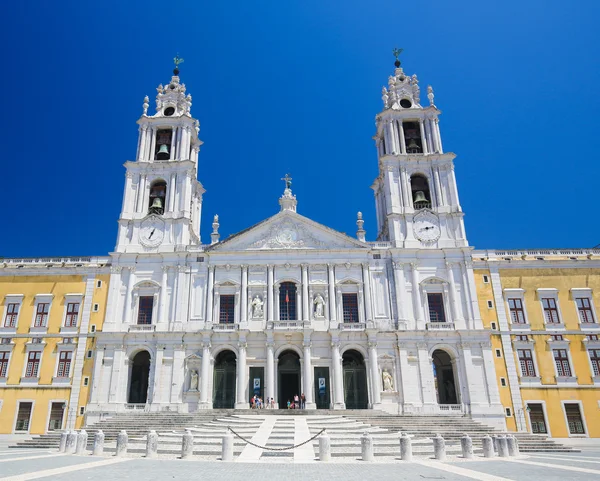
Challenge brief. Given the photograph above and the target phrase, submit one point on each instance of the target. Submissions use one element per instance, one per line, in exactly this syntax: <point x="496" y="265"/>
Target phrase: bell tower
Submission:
<point x="416" y="197"/>
<point x="162" y="202"/>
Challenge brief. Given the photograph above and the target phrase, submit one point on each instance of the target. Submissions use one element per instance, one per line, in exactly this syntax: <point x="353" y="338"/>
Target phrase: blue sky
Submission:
<point x="294" y="87"/>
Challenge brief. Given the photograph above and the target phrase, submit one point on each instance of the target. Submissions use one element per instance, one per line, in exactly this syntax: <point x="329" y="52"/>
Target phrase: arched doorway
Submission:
<point x="355" y="380"/>
<point x="140" y="372"/>
<point x="224" y="381"/>
<point x="288" y="370"/>
<point x="443" y="372"/>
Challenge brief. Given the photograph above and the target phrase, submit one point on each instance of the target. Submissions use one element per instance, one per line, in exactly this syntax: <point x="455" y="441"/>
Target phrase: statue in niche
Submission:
<point x="388" y="381"/>
<point x="319" y="303"/>
<point x="257" y="307"/>
<point x="194" y="381"/>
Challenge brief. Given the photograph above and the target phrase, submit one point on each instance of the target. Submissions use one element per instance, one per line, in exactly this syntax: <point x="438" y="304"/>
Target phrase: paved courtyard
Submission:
<point x="17" y="464"/>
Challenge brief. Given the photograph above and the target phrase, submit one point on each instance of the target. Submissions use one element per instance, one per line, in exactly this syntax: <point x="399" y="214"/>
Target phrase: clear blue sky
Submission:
<point x="294" y="87"/>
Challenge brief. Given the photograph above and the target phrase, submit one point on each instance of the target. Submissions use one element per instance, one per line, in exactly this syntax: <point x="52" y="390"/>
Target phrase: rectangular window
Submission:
<point x="557" y="337"/>
<point x="592" y="337"/>
<point x="350" y="307"/>
<point x="4" y="357"/>
<point x="563" y="368"/>
<point x="508" y="412"/>
<point x="33" y="364"/>
<point x="436" y="307"/>
<point x="595" y="360"/>
<point x="550" y="310"/>
<point x="585" y="310"/>
<point x="56" y="416"/>
<point x="490" y="304"/>
<point x="522" y="337"/>
<point x="574" y="418"/>
<point x="287" y="302"/>
<point x="72" y="314"/>
<point x="537" y="419"/>
<point x="41" y="315"/>
<point x="226" y="309"/>
<point x="99" y="284"/>
<point x="486" y="280"/>
<point x="145" y="310"/>
<point x="23" y="416"/>
<point x="503" y="382"/>
<point x="64" y="364"/>
<point x="517" y="315"/>
<point x="12" y="312"/>
<point x="498" y="353"/>
<point x="526" y="362"/>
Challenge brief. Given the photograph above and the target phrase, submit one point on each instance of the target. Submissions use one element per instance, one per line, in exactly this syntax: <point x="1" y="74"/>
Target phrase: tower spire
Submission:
<point x="177" y="60"/>
<point x="288" y="201"/>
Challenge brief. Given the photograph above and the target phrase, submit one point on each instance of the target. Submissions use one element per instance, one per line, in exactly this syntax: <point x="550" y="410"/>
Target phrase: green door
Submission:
<point x="322" y="388"/>
<point x="224" y="381"/>
<point x="257" y="382"/>
<point x="355" y="381"/>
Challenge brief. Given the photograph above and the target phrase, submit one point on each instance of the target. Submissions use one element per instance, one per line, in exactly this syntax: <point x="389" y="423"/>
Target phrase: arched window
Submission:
<point x="287" y="302"/>
<point x="158" y="194"/>
<point x="420" y="191"/>
<point x="412" y="137"/>
<point x="445" y="383"/>
<point x="163" y="144"/>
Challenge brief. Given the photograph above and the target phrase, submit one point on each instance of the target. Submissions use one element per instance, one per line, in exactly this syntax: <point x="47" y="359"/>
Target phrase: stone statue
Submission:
<point x="257" y="307"/>
<point x="388" y="381"/>
<point x="194" y="381"/>
<point x="319" y="303"/>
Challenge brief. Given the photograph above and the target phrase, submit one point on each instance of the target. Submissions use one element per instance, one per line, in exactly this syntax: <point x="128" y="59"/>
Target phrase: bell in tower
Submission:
<point x="163" y="142"/>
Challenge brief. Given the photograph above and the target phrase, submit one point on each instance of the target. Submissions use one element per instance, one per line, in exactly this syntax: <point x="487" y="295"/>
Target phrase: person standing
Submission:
<point x="302" y="401"/>
<point x="296" y="401"/>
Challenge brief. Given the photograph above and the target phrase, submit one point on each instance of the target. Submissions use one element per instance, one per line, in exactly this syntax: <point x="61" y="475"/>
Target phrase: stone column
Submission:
<point x="426" y="373"/>
<point x="152" y="143"/>
<point x="128" y="308"/>
<point x="172" y="193"/>
<point x="270" y="375"/>
<point x="430" y="139"/>
<point x="244" y="295"/>
<point x="470" y="380"/>
<point x="242" y="401"/>
<point x="423" y="138"/>
<point x="438" y="186"/>
<point x="155" y="394"/>
<point x="308" y="384"/>
<point x="331" y="285"/>
<point x="270" y="293"/>
<point x="338" y="391"/>
<point x="416" y="292"/>
<point x="493" y="394"/>
<point x="400" y="285"/>
<point x="204" y="380"/>
<point x="374" y="365"/>
<point x="402" y="139"/>
<point x="305" y="311"/>
<point x="162" y="314"/>
<point x="367" y="289"/>
<point x="405" y="187"/>
<point x="209" y="294"/>
<point x="453" y="294"/>
<point x="438" y="136"/>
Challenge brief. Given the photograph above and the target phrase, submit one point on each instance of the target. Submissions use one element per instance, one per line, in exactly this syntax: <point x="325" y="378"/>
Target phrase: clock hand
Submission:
<point x="151" y="234"/>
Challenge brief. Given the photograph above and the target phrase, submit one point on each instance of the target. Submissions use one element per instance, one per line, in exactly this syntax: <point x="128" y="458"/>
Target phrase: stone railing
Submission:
<point x="533" y="253"/>
<point x="440" y="326"/>
<point x="53" y="261"/>
<point x="286" y="325"/>
<point x="137" y="407"/>
<point x="352" y="326"/>
<point x="443" y="409"/>
<point x="225" y="327"/>
<point x="142" y="328"/>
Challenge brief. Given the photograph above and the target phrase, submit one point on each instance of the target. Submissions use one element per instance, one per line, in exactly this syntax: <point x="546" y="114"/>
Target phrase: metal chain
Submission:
<point x="275" y="449"/>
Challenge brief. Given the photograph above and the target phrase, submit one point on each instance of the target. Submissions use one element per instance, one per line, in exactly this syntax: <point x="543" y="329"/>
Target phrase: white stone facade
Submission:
<point x="363" y="327"/>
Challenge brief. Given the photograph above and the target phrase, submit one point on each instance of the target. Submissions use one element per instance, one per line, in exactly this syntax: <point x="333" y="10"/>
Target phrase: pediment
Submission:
<point x="288" y="231"/>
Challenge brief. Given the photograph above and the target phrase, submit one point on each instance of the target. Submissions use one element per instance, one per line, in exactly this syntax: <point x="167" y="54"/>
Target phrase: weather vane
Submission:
<point x="397" y="52"/>
<point x="288" y="181"/>
<point x="177" y="60"/>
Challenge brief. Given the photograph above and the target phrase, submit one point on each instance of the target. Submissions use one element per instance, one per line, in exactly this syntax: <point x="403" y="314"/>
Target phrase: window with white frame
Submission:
<point x="350" y="307"/>
<point x="435" y="302"/>
<point x="595" y="361"/>
<point x="561" y="360"/>
<point x="226" y="308"/>
<point x="550" y="310"/>
<point x="4" y="358"/>
<point x="526" y="362"/>
<point x="72" y="314"/>
<point x="517" y="313"/>
<point x="41" y="310"/>
<point x="64" y="364"/>
<point x="145" y="309"/>
<point x="33" y="363"/>
<point x="12" y="314"/>
<point x="584" y="308"/>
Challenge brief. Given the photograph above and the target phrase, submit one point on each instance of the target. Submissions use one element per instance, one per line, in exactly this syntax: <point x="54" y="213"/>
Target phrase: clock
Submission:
<point x="152" y="232"/>
<point x="426" y="227"/>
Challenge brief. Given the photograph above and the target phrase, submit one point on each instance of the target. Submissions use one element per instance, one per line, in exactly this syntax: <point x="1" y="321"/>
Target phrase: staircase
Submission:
<point x="343" y="427"/>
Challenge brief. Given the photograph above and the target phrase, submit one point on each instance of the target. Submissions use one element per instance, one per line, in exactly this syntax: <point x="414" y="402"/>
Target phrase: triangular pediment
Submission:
<point x="288" y="230"/>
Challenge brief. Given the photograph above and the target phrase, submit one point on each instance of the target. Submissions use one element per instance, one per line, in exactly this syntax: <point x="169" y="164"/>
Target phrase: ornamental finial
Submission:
<point x="288" y="181"/>
<point x="177" y="60"/>
<point x="397" y="52"/>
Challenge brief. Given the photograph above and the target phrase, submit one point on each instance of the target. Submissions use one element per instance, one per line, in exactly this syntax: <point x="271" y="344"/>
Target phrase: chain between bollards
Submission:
<point x="275" y="449"/>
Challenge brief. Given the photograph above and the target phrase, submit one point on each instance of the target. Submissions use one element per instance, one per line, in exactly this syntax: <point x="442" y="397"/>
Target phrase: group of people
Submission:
<point x="256" y="402"/>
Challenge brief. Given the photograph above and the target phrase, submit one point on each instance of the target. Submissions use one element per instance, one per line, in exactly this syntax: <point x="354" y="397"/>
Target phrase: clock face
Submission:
<point x="426" y="227"/>
<point x="152" y="232"/>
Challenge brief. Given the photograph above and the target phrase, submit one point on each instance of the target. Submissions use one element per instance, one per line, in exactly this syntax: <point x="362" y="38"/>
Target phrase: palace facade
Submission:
<point x="413" y="323"/>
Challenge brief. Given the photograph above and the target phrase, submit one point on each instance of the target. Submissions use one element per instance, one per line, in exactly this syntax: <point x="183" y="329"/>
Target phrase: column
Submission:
<point x="438" y="136"/>
<point x="387" y="187"/>
<point x="97" y="376"/>
<point x="423" y="139"/>
<point x="118" y="363"/>
<point x="305" y="311"/>
<point x="471" y="382"/>
<point x="242" y="401"/>
<point x="405" y="187"/>
<point x="173" y="145"/>
<point x="453" y="295"/>
<point x="178" y="371"/>
<point x="411" y="395"/>
<point x="204" y="398"/>
<point x="395" y="138"/>
<point x="434" y="144"/>
<point x="429" y="133"/>
<point x="209" y="294"/>
<point x="400" y="285"/>
<point x="141" y="138"/>
<point x="140" y="194"/>
<point x="270" y="294"/>
<point x="417" y="296"/>
<point x="308" y="383"/>
<point x="331" y="286"/>
<point x="244" y="295"/>
<point x="270" y="374"/>
<point x="152" y="143"/>
<point x="426" y="373"/>
<point x="127" y="193"/>
<point x="386" y="134"/>
<point x="374" y="365"/>
<point x="162" y="315"/>
<point x="336" y="360"/>
<point x="438" y="186"/>
<point x="453" y="186"/>
<point x="472" y="291"/>
<point x="402" y="139"/>
<point x="128" y="309"/>
<point x="172" y="193"/>
<point x="493" y="394"/>
<point x="367" y="288"/>
<point x="156" y="394"/>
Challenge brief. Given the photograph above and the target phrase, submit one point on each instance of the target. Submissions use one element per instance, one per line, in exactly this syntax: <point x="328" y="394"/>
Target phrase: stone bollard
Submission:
<point x="466" y="444"/>
<point x="324" y="447"/>
<point x="187" y="444"/>
<point x="405" y="447"/>
<point x="63" y="442"/>
<point x="510" y="443"/>
<point x="151" y="444"/>
<point x="81" y="442"/>
<point x="488" y="447"/>
<point x="495" y="443"/>
<point x="366" y="444"/>
<point x="227" y="450"/>
<point x="517" y="451"/>
<point x="98" y="443"/>
<point x="71" y="442"/>
<point x="439" y="448"/>
<point x="122" y="440"/>
<point x="502" y="447"/>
